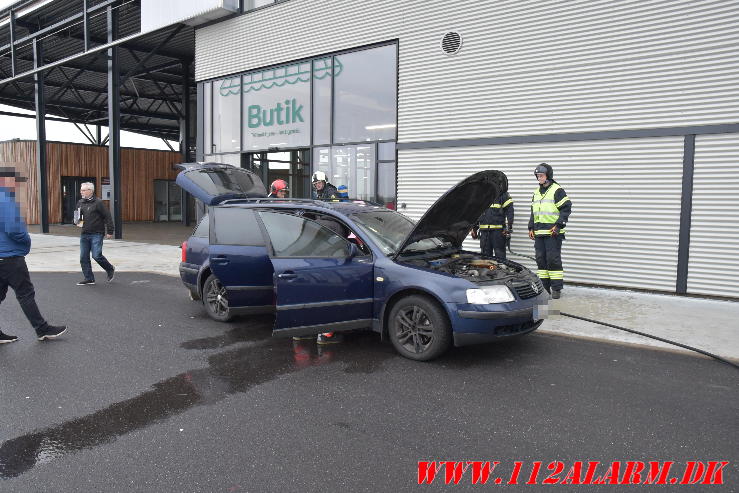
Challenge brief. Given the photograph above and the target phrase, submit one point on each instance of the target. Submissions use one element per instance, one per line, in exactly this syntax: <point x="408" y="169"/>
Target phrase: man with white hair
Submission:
<point x="96" y="223"/>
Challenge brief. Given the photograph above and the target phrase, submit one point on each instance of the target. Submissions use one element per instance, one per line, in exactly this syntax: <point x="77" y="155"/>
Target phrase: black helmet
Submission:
<point x="545" y="168"/>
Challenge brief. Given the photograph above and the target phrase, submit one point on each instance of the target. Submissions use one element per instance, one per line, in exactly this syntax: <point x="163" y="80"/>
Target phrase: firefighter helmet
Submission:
<point x="546" y="169"/>
<point x="319" y="176"/>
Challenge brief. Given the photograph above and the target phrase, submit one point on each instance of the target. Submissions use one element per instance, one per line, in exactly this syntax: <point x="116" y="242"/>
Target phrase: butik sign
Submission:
<point x="286" y="112"/>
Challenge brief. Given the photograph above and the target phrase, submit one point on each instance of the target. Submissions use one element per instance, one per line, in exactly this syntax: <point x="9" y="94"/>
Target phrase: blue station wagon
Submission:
<point x="323" y="266"/>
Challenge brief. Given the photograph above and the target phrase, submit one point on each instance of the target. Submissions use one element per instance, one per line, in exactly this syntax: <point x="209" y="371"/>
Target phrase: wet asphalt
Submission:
<point x="145" y="393"/>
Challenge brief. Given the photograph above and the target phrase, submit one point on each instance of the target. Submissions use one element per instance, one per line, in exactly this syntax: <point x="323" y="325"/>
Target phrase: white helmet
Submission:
<point x="319" y="176"/>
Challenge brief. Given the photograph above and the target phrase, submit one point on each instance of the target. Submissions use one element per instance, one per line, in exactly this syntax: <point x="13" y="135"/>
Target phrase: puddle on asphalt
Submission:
<point x="257" y="359"/>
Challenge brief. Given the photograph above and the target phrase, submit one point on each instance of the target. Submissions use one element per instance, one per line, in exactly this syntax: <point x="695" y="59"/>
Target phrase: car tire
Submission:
<point x="215" y="300"/>
<point x="418" y="328"/>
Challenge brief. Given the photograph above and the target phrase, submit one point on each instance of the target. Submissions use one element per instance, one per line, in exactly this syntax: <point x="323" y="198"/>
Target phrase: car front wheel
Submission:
<point x="215" y="300"/>
<point x="418" y="328"/>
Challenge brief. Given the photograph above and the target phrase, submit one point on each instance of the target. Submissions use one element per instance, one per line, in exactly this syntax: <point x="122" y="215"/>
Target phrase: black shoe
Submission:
<point x="85" y="282"/>
<point x="556" y="293"/>
<point x="111" y="274"/>
<point x="329" y="338"/>
<point x="51" y="332"/>
<point x="5" y="338"/>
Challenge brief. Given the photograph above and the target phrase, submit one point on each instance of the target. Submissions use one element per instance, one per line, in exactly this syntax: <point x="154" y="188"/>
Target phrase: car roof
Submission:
<point x="347" y="208"/>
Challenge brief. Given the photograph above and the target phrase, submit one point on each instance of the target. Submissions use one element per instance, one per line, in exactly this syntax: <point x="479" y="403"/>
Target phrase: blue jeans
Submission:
<point x="92" y="243"/>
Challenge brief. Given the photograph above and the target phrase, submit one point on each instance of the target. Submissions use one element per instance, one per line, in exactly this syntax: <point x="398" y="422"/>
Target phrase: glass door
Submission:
<point x="167" y="201"/>
<point x="291" y="166"/>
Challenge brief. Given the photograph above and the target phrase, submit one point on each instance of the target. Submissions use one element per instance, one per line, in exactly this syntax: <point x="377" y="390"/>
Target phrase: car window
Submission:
<point x="389" y="229"/>
<point x="235" y="226"/>
<point x="203" y="228"/>
<point x="294" y="236"/>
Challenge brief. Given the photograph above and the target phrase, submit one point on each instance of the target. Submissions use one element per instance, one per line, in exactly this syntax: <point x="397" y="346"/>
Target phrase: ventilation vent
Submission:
<point x="451" y="43"/>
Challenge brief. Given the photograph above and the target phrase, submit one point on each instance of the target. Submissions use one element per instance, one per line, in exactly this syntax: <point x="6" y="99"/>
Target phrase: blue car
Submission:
<point x="323" y="266"/>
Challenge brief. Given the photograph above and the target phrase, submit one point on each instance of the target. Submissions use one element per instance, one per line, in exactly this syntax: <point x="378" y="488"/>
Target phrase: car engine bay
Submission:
<point x="472" y="267"/>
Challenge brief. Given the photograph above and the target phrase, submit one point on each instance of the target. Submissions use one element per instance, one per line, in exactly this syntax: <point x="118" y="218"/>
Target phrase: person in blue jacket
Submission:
<point x="15" y="243"/>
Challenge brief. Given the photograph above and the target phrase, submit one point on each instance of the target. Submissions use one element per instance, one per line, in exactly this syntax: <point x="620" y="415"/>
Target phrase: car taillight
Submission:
<point x="184" y="251"/>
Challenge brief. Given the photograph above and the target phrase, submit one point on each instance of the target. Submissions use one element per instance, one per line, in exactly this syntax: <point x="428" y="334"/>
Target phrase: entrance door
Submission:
<point x="291" y="166"/>
<point x="167" y="201"/>
<point x="71" y="194"/>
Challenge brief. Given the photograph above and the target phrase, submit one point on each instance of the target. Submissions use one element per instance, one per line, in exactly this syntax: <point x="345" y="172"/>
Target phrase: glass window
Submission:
<point x="277" y="110"/>
<point x="255" y="4"/>
<point x="227" y="115"/>
<point x="386" y="151"/>
<point x="236" y="226"/>
<point x="365" y="95"/>
<point x="202" y="231"/>
<point x="294" y="236"/>
<point x="322" y="69"/>
<point x="208" y="115"/>
<point x="354" y="166"/>
<point x="386" y="183"/>
<point x="232" y="159"/>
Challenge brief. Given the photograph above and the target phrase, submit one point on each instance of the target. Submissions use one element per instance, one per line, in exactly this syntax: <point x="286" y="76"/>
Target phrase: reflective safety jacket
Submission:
<point x="549" y="206"/>
<point x="495" y="216"/>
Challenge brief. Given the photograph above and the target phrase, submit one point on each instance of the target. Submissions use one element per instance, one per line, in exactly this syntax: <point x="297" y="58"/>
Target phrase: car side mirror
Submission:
<point x="353" y="251"/>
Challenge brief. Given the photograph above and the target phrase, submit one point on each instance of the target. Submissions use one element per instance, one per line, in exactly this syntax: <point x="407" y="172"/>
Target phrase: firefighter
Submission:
<point x="550" y="210"/>
<point x="495" y="226"/>
<point x="322" y="188"/>
<point x="278" y="189"/>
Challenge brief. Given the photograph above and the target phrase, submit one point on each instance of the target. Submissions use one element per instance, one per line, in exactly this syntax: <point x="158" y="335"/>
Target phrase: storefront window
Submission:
<point x="255" y="4"/>
<point x="277" y="108"/>
<point x="227" y="115"/>
<point x="351" y="165"/>
<point x="322" y="70"/>
<point x="208" y="115"/>
<point x="365" y="95"/>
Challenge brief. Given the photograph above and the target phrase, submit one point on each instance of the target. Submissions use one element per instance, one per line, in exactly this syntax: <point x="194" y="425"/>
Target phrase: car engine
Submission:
<point x="471" y="267"/>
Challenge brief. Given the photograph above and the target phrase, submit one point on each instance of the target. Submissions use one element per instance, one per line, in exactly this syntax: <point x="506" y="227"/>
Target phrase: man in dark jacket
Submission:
<point x="95" y="220"/>
<point x="323" y="190"/>
<point x="495" y="226"/>
<point x="550" y="210"/>
<point x="15" y="243"/>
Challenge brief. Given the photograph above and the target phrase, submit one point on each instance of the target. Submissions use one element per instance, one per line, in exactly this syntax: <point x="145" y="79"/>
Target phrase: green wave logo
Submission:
<point x="278" y="77"/>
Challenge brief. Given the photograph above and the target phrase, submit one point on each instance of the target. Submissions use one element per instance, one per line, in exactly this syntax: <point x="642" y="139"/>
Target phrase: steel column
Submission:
<point x="85" y="25"/>
<point x="686" y="212"/>
<point x="12" y="43"/>
<point x="114" y="124"/>
<point x="185" y="136"/>
<point x="200" y="126"/>
<point x="43" y="183"/>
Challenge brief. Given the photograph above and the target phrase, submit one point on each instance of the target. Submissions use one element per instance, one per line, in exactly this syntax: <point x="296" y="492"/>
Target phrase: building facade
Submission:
<point x="635" y="105"/>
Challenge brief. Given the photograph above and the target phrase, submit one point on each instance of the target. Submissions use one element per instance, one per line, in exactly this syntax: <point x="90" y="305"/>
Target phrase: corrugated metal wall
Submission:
<point x="714" y="240"/>
<point x="625" y="221"/>
<point x="526" y="67"/>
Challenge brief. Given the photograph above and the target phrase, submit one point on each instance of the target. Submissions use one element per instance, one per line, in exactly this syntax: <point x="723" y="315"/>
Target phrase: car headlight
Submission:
<point x="489" y="294"/>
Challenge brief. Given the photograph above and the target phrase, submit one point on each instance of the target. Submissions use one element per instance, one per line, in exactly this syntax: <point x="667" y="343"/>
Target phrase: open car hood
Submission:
<point x="452" y="216"/>
<point x="214" y="182"/>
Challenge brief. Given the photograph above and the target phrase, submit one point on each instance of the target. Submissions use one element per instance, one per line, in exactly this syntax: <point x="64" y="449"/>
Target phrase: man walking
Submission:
<point x="15" y="243"/>
<point x="495" y="226"/>
<point x="550" y="209"/>
<point x="96" y="223"/>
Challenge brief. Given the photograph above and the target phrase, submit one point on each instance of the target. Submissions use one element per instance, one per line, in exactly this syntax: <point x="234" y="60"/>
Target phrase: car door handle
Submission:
<point x="287" y="275"/>
<point x="220" y="260"/>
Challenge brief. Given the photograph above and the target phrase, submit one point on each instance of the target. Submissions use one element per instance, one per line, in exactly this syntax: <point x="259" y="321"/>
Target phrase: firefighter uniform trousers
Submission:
<point x="549" y="261"/>
<point x="492" y="241"/>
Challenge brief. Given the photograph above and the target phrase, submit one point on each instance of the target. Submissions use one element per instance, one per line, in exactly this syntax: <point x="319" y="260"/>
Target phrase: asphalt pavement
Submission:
<point x="145" y="393"/>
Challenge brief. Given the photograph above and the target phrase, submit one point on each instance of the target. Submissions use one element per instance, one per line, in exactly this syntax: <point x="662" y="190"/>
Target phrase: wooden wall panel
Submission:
<point x="139" y="169"/>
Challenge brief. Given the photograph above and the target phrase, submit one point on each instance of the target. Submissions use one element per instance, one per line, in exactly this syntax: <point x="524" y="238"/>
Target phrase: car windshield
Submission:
<point x="388" y="229"/>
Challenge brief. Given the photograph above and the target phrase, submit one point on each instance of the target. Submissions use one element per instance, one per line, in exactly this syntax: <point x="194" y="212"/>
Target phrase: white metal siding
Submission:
<point x="713" y="268"/>
<point x="625" y="219"/>
<point x="526" y="67"/>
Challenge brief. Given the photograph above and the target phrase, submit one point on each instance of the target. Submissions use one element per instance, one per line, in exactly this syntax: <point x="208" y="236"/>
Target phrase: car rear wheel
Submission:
<point x="418" y="328"/>
<point x="215" y="300"/>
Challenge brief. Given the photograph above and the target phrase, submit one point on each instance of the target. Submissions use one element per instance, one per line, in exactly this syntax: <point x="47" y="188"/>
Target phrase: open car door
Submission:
<point x="323" y="283"/>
